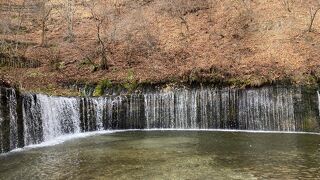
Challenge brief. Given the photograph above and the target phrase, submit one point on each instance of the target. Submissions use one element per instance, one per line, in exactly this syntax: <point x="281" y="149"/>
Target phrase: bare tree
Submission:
<point x="100" y="15"/>
<point x="13" y="16"/>
<point x="20" y="14"/>
<point x="44" y="11"/>
<point x="181" y="8"/>
<point x="115" y="18"/>
<point x="69" y="11"/>
<point x="313" y="13"/>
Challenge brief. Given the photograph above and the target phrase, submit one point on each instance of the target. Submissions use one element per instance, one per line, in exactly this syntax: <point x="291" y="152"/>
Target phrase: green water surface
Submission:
<point x="171" y="155"/>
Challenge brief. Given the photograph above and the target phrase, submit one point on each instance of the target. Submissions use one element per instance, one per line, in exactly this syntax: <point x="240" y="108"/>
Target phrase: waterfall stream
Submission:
<point x="27" y="119"/>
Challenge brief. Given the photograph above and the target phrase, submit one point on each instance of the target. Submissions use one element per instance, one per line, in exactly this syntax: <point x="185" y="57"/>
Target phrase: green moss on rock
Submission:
<point x="99" y="90"/>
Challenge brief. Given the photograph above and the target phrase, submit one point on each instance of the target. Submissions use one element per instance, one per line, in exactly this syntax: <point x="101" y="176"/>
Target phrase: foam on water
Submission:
<point x="65" y="138"/>
<point x="62" y="139"/>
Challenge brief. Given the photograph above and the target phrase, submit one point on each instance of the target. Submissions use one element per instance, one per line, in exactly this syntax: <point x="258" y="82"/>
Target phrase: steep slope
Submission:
<point x="235" y="42"/>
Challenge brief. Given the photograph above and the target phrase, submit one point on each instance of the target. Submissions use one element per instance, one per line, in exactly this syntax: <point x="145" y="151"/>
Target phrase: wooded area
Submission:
<point x="237" y="42"/>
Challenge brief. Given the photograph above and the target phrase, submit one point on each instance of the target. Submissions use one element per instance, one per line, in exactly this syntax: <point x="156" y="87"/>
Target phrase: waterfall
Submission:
<point x="100" y="113"/>
<point x="12" y="105"/>
<point x="27" y="119"/>
<point x="59" y="116"/>
<point x="262" y="109"/>
<point x="8" y="120"/>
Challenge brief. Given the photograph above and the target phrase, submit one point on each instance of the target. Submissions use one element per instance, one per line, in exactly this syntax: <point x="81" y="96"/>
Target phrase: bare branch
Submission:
<point x="313" y="14"/>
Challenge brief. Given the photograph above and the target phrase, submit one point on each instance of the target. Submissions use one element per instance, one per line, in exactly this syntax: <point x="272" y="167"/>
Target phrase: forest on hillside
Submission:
<point x="48" y="44"/>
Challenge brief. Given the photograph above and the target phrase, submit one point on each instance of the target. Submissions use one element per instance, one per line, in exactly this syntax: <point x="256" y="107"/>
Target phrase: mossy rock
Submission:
<point x="130" y="84"/>
<point x="99" y="90"/>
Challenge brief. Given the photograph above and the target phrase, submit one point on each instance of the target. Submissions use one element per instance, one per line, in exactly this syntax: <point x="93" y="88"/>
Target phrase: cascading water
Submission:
<point x="260" y="109"/>
<point x="34" y="118"/>
<point x="59" y="116"/>
<point x="8" y="120"/>
<point x="12" y="105"/>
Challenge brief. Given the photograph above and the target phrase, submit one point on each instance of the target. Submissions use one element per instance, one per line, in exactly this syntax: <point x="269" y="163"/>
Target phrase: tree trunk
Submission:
<point x="103" y="60"/>
<point x="43" y="33"/>
<point x="69" y="16"/>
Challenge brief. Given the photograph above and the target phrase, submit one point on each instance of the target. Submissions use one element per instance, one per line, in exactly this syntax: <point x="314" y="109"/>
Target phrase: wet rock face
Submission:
<point x="27" y="119"/>
<point x="10" y="121"/>
<point x="3" y="84"/>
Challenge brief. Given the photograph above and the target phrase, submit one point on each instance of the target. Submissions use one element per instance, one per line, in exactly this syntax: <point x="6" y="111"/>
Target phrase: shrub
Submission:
<point x="99" y="90"/>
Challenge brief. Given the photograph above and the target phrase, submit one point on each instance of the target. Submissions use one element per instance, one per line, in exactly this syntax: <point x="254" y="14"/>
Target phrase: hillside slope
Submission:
<point x="234" y="42"/>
